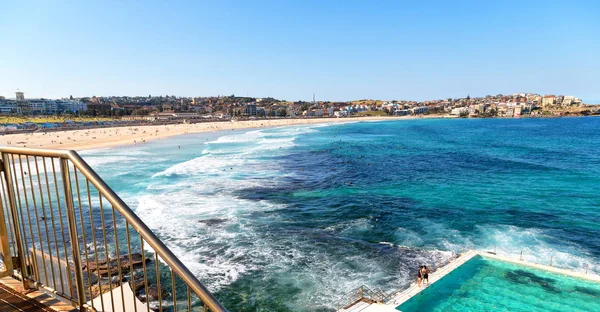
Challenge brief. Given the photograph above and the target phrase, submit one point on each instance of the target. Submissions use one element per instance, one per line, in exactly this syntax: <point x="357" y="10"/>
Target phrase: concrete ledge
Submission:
<point x="590" y="277"/>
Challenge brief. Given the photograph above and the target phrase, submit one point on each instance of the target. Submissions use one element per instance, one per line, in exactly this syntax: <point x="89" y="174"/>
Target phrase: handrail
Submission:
<point x="156" y="244"/>
<point x="20" y="219"/>
<point x="362" y="293"/>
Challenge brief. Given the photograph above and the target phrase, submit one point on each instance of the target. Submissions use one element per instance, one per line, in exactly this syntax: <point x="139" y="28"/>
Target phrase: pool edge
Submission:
<point x="414" y="290"/>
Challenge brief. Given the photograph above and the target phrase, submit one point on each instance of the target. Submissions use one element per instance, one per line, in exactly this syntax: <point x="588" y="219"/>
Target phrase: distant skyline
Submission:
<point x="339" y="50"/>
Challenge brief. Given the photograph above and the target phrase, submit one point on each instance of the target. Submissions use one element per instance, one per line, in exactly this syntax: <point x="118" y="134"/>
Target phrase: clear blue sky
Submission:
<point x="340" y="50"/>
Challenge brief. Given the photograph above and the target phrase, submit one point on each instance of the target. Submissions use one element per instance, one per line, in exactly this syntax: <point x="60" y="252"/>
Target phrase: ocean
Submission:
<point x="293" y="218"/>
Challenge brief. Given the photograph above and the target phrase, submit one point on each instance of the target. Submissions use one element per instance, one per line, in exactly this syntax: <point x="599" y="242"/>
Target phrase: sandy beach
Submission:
<point x="85" y="139"/>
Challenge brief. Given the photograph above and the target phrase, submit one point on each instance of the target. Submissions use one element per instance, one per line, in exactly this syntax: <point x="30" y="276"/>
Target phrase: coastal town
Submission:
<point x="195" y="109"/>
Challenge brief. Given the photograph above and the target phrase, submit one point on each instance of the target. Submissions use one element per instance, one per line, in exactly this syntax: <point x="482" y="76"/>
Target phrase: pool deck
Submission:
<point x="414" y="290"/>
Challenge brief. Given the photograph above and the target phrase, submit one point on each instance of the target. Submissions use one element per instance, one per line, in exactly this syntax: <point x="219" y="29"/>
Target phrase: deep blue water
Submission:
<point x="292" y="218"/>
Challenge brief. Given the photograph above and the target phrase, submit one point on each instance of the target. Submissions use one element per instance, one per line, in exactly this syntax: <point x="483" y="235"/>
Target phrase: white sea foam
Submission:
<point x="511" y="240"/>
<point x="204" y="164"/>
<point x="97" y="161"/>
<point x="218" y="254"/>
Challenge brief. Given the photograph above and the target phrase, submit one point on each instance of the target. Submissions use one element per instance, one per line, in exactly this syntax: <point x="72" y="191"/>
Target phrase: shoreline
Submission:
<point x="119" y="135"/>
<point x="96" y="138"/>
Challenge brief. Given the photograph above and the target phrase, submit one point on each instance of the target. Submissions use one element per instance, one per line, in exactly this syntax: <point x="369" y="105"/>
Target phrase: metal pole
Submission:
<point x="521" y="256"/>
<point x="64" y="169"/>
<point x="5" y="251"/>
<point x="586" y="268"/>
<point x="550" y="260"/>
<point x="15" y="217"/>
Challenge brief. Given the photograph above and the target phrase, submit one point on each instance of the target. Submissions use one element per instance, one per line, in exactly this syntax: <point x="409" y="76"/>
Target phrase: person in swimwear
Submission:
<point x="422" y="275"/>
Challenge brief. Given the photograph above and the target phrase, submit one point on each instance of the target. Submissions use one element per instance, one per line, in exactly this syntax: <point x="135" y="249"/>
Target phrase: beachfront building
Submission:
<point x="251" y="110"/>
<point x="70" y="106"/>
<point x="9" y="107"/>
<point x="172" y="116"/>
<point x="51" y="107"/>
<point x="341" y="113"/>
<point x="419" y="110"/>
<point x="402" y="112"/>
<point x="40" y="106"/>
<point x="459" y="111"/>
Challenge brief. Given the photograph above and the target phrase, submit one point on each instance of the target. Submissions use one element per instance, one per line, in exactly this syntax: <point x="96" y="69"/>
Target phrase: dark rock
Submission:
<point x="152" y="293"/>
<point x="213" y="222"/>
<point x="111" y="267"/>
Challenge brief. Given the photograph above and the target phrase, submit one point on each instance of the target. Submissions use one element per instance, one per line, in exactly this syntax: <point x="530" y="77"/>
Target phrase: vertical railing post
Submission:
<point x="521" y="258"/>
<point x="15" y="218"/>
<point x="64" y="168"/>
<point x="5" y="251"/>
<point x="550" y="260"/>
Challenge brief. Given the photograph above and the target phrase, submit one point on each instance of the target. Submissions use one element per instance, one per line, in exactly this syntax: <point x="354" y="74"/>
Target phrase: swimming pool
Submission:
<point x="483" y="284"/>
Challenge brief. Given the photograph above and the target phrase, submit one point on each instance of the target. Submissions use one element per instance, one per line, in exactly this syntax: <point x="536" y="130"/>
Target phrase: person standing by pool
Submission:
<point x="422" y="275"/>
<point x="425" y="275"/>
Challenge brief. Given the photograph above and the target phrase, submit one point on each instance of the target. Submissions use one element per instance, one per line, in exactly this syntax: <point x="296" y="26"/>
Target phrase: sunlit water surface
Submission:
<point x="292" y="218"/>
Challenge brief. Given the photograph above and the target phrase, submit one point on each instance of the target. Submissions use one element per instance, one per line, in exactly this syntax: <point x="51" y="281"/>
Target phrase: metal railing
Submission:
<point x="360" y="294"/>
<point x="64" y="230"/>
<point x="537" y="259"/>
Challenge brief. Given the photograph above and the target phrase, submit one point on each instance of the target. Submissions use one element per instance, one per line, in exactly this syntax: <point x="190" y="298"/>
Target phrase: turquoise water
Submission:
<point x="490" y="285"/>
<point x="292" y="218"/>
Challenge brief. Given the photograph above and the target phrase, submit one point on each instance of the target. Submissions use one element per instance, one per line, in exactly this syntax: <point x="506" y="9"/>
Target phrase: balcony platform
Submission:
<point x="14" y="298"/>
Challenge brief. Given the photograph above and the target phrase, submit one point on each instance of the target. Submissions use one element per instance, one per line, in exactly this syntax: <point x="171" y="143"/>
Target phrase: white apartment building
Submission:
<point x="568" y="100"/>
<point x="41" y="106"/>
<point x="70" y="106"/>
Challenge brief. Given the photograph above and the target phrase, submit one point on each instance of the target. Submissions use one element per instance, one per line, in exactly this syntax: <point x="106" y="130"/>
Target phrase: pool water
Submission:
<point x="483" y="284"/>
